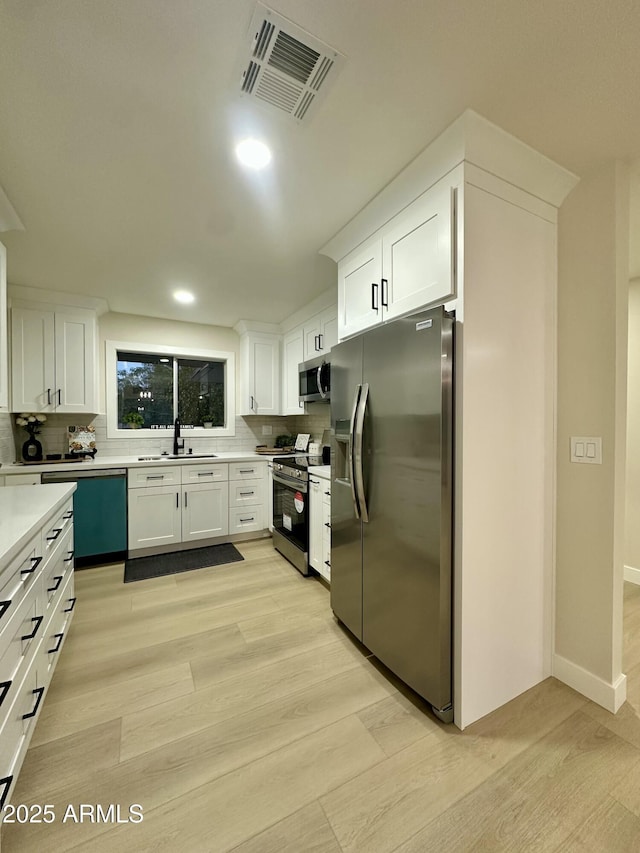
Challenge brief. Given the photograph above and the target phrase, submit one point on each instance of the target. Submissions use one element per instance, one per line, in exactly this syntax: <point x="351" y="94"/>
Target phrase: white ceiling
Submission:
<point x="117" y="121"/>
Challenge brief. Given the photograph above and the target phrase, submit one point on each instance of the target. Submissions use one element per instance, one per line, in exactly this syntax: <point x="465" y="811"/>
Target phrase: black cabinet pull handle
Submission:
<point x="4" y="689"/>
<point x="385" y="295"/>
<point x="4" y="606"/>
<point x="326" y="524"/>
<point x="48" y="396"/>
<point x="177" y="500"/>
<point x="320" y="341"/>
<point x="59" y="400"/>
<point x="56" y="532"/>
<point x="327" y="563"/>
<point x="315" y="482"/>
<point x="69" y="609"/>
<point x="58" y="580"/>
<point x="58" y="644"/>
<point x="186" y="499"/>
<point x="246" y="470"/>
<point x="68" y="515"/>
<point x="36" y="562"/>
<point x="328" y="493"/>
<point x="247" y="519"/>
<point x="374" y="295"/>
<point x="244" y="494"/>
<point x="6" y="783"/>
<point x="69" y="558"/>
<point x="38" y="621"/>
<point x="205" y="474"/>
<point x="39" y="692"/>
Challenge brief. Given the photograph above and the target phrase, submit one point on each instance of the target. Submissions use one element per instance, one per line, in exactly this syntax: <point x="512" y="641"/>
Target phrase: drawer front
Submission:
<point x="16" y="581"/>
<point x="247" y="470"/>
<point x="246" y="519"/>
<point x="23" y="635"/>
<point x="16" y="729"/>
<point x="246" y="492"/>
<point x="55" y="574"/>
<point x="211" y="473"/>
<point x="56" y="632"/>
<point x="55" y="530"/>
<point x="158" y="475"/>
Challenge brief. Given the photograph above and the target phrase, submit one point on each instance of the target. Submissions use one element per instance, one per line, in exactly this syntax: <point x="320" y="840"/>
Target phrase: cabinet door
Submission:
<point x="293" y="354"/>
<point x="4" y="337"/>
<point x="32" y="360"/>
<point x="154" y="516"/>
<point x="329" y="329"/>
<point x="260" y="363"/>
<point x="312" y="330"/>
<point x="315" y="524"/>
<point x="417" y="250"/>
<point x="75" y="363"/>
<point x="205" y="511"/>
<point x="359" y="275"/>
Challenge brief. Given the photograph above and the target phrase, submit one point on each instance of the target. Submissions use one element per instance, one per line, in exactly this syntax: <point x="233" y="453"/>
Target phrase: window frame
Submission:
<point x="111" y="388"/>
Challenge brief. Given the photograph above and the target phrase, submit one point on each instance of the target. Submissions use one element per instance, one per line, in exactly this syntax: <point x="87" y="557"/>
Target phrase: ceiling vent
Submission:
<point x="287" y="69"/>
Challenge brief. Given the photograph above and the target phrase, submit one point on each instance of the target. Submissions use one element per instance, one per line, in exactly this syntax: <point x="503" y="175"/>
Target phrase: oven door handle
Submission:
<point x="298" y="485"/>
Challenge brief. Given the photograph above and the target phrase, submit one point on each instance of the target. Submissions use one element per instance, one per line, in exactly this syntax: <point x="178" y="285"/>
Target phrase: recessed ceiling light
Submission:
<point x="184" y="296"/>
<point x="253" y="153"/>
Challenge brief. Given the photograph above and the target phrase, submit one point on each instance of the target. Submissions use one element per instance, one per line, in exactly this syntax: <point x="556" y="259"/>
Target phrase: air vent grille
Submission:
<point x="287" y="69"/>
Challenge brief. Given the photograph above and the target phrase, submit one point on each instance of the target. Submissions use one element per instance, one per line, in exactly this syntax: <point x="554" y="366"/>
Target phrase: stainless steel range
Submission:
<point x="291" y="508"/>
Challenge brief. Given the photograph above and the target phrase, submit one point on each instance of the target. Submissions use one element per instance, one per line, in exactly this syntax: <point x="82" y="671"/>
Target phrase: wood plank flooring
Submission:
<point x="233" y="708"/>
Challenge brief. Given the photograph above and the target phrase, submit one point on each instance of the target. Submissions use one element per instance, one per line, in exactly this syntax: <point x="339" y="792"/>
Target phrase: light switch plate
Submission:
<point x="586" y="449"/>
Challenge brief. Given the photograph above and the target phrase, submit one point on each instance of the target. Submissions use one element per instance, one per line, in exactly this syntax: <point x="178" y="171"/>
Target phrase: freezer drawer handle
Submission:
<point x="36" y="562"/>
<point x="39" y="692"/>
<point x="38" y="621"/>
<point x="58" y="580"/>
<point x="56" y="532"/>
<point x="73" y="604"/>
<point x="58" y="644"/>
<point x="5" y="686"/>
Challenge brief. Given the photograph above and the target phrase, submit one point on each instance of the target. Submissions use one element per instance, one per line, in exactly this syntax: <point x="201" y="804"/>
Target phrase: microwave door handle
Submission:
<point x="358" y="461"/>
<point x="321" y="390"/>
<point x="352" y="427"/>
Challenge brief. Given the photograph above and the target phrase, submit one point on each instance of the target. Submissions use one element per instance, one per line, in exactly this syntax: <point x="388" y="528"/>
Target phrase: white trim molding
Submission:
<point x="632" y="575"/>
<point x="111" y="388"/>
<point x="608" y="696"/>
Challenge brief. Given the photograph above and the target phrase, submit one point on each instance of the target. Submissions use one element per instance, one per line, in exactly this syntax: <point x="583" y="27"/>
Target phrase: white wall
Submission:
<point x="632" y="523"/>
<point x="592" y="356"/>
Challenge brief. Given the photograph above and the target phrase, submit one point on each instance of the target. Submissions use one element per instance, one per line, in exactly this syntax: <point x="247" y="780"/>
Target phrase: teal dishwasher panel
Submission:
<point x="100" y="516"/>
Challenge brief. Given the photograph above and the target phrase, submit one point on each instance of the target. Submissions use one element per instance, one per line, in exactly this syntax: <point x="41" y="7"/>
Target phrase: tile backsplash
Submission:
<point x="53" y="435"/>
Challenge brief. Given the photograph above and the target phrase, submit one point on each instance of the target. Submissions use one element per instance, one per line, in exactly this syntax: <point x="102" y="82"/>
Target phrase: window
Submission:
<point x="148" y="387"/>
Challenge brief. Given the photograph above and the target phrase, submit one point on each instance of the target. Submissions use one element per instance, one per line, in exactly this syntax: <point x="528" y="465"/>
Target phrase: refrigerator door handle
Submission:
<point x="358" y="460"/>
<point x="352" y="426"/>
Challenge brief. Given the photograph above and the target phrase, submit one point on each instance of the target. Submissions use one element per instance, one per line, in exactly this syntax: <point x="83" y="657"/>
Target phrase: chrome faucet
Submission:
<point x="177" y="444"/>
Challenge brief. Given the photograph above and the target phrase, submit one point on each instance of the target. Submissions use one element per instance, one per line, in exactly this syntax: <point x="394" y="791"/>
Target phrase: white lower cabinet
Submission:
<point x="320" y="525"/>
<point x="194" y="509"/>
<point x="36" y="607"/>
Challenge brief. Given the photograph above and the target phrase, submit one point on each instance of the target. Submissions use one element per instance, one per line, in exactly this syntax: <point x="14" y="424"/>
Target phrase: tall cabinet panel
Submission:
<point x="260" y="373"/>
<point x="74" y="343"/>
<point x="32" y="360"/>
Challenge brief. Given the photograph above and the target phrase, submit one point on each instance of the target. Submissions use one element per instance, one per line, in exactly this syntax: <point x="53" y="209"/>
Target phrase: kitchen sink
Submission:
<point x="177" y="456"/>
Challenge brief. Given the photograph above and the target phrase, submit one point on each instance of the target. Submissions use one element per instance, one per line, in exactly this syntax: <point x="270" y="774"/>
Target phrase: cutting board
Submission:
<point x="273" y="451"/>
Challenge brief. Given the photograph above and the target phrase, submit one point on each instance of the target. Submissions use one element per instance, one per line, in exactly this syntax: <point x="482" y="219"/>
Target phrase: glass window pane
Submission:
<point x="145" y="391"/>
<point x="201" y="392"/>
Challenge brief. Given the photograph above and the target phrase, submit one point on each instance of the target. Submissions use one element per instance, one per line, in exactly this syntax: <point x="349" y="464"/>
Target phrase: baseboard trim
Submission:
<point x="632" y="575"/>
<point x="609" y="696"/>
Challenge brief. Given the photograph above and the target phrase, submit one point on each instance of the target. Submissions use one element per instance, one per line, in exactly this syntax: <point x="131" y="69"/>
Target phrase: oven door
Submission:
<point x="291" y="519"/>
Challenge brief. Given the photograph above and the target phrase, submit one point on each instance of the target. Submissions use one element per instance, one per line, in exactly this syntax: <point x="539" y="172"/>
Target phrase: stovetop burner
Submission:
<point x="296" y="466"/>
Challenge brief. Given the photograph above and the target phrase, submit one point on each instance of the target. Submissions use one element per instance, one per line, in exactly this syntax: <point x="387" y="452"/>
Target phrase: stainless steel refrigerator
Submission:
<point x="392" y="497"/>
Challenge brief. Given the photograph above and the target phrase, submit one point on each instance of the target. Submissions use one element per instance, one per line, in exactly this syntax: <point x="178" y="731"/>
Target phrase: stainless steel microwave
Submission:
<point x="314" y="380"/>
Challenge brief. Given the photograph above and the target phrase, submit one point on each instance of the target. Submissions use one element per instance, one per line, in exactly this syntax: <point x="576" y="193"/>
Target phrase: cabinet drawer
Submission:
<point x="246" y="519"/>
<point x="56" y="631"/>
<point x="22" y="636"/>
<point x="55" y="574"/>
<point x="55" y="531"/>
<point x="211" y="473"/>
<point x="15" y="581"/>
<point x="247" y="470"/>
<point x="16" y="729"/>
<point x="22" y="480"/>
<point x="158" y="475"/>
<point x="246" y="492"/>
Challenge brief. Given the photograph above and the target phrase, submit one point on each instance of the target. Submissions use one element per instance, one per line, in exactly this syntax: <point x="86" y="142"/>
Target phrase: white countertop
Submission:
<point x="143" y="460"/>
<point x="23" y="510"/>
<point x="323" y="471"/>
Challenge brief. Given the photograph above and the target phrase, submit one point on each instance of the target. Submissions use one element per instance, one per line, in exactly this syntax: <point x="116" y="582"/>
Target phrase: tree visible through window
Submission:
<point x="155" y="389"/>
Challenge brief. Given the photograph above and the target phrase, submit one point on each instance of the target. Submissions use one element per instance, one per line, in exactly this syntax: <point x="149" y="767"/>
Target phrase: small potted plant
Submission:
<point x="208" y="421"/>
<point x="134" y="420"/>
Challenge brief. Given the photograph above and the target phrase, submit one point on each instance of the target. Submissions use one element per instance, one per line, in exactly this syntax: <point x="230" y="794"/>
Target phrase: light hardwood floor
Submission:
<point x="233" y="708"/>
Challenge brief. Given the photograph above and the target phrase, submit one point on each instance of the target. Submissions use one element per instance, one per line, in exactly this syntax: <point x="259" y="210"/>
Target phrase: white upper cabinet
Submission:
<point x="4" y="342"/>
<point x="407" y="265"/>
<point x="53" y="359"/>
<point x="320" y="333"/>
<point x="292" y="355"/>
<point x="260" y="370"/>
